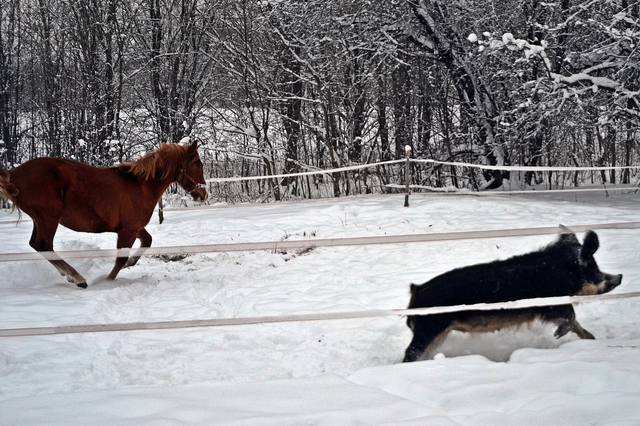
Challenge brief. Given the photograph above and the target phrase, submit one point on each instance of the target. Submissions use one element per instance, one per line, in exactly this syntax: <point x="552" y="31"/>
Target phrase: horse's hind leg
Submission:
<point x="42" y="241"/>
<point x="145" y="241"/>
<point x="125" y="240"/>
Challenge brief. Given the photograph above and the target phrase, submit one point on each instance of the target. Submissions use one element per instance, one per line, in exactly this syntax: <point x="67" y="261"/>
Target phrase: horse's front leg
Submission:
<point x="145" y="241"/>
<point x="125" y="240"/>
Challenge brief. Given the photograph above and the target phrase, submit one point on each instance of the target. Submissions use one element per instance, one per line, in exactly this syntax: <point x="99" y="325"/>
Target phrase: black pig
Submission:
<point x="563" y="268"/>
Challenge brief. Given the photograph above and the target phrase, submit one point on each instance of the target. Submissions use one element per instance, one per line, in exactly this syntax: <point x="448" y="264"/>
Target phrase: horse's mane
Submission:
<point x="158" y="164"/>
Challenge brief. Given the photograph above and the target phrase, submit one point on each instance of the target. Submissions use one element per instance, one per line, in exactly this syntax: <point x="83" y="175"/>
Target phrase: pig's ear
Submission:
<point x="565" y="229"/>
<point x="413" y="288"/>
<point x="590" y="244"/>
<point x="567" y="235"/>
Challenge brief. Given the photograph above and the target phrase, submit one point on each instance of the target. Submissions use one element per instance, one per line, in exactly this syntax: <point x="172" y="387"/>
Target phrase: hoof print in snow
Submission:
<point x="171" y="257"/>
<point x="301" y="252"/>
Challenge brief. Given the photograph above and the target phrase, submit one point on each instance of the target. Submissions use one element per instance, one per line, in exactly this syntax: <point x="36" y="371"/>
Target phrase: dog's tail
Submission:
<point x="8" y="190"/>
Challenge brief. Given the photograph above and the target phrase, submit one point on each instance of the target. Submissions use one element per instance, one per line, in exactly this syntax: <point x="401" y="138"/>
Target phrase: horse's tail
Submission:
<point x="8" y="190"/>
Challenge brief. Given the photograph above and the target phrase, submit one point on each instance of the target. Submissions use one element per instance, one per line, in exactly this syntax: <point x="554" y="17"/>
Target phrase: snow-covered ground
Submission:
<point x="330" y="372"/>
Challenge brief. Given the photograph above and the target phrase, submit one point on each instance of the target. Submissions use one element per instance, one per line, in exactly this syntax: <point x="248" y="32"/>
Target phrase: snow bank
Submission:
<point x="581" y="383"/>
<point x="321" y="401"/>
<point x="46" y="377"/>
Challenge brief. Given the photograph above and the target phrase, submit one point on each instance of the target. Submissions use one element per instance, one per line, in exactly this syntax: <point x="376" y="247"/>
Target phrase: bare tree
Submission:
<point x="10" y="78"/>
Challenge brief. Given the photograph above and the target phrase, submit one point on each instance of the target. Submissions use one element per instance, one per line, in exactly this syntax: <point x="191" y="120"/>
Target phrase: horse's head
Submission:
<point x="191" y="176"/>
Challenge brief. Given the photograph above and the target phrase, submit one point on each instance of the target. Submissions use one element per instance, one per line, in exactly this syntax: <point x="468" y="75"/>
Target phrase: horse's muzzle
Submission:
<point x="199" y="194"/>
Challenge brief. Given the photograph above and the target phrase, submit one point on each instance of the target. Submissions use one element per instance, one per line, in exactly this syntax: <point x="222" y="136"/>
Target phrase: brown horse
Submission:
<point x="84" y="198"/>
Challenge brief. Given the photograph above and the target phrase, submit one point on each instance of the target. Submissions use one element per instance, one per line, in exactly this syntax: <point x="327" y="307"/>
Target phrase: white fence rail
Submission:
<point x="310" y="243"/>
<point x="320" y="316"/>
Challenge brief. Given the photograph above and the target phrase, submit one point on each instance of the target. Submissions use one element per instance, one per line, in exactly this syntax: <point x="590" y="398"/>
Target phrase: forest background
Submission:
<point x="296" y="85"/>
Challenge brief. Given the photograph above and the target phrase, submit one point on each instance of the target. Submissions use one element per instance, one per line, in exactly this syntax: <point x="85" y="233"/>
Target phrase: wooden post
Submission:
<point x="407" y="175"/>
<point x="161" y="211"/>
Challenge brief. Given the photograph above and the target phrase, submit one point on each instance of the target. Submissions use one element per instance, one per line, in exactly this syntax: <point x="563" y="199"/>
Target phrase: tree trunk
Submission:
<point x="383" y="129"/>
<point x="628" y="149"/>
<point x="402" y="108"/>
<point x="291" y="109"/>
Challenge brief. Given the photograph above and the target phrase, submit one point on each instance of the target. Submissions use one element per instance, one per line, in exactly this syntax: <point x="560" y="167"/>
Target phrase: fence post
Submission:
<point x="407" y="175"/>
<point x="160" y="211"/>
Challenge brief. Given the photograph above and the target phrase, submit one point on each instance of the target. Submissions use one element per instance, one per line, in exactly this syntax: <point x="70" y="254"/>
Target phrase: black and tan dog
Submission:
<point x="563" y="268"/>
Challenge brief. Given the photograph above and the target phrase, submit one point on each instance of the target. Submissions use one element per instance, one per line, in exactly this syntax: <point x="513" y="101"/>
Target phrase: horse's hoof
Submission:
<point x="82" y="285"/>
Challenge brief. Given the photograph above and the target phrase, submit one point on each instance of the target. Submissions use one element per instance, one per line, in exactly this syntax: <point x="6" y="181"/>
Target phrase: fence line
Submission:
<point x="320" y="316"/>
<point x="426" y="161"/>
<point x="308" y="244"/>
<point x="313" y="172"/>
<point x="432" y="189"/>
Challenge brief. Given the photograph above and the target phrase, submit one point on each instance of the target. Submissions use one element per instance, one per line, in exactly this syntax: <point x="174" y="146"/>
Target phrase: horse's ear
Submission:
<point x="193" y="147"/>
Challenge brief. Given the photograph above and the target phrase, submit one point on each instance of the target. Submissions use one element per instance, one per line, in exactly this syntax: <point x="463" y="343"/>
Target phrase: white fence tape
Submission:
<point x="427" y="161"/>
<point x="321" y="316"/>
<point x="316" y="172"/>
<point x="312" y="243"/>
